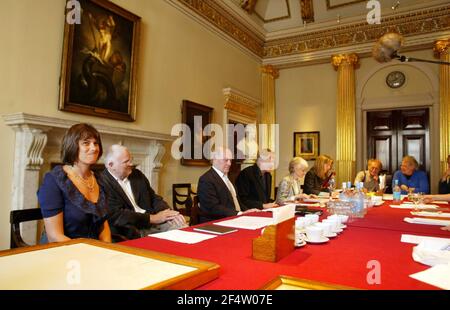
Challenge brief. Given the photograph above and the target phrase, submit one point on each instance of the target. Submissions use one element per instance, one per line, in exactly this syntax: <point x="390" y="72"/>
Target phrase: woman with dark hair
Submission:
<point x="72" y="203"/>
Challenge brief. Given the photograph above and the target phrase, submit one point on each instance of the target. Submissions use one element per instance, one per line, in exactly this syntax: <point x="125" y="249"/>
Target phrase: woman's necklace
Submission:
<point x="89" y="182"/>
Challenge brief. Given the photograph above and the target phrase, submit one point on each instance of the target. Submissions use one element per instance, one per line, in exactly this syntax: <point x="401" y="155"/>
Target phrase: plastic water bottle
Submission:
<point x="343" y="194"/>
<point x="396" y="192"/>
<point x="358" y="200"/>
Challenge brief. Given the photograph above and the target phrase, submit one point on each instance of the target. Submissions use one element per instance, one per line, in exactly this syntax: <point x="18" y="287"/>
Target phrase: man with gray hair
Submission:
<point x="135" y="210"/>
<point x="254" y="183"/>
<point x="216" y="193"/>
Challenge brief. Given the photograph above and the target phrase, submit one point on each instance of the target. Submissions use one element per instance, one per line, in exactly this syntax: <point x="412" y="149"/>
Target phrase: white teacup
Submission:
<point x="335" y="217"/>
<point x="314" y="218"/>
<point x="314" y="233"/>
<point x="300" y="223"/>
<point x="325" y="226"/>
<point x="344" y="218"/>
<point x="334" y="222"/>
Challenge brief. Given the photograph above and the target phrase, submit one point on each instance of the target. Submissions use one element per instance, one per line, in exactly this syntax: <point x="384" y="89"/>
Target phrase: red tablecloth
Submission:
<point x="385" y="217"/>
<point x="343" y="260"/>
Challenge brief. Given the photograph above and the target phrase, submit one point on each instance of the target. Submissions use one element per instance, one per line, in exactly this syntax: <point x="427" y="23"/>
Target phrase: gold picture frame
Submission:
<point x="99" y="62"/>
<point x="292" y="283"/>
<point x="27" y="263"/>
<point x="307" y="144"/>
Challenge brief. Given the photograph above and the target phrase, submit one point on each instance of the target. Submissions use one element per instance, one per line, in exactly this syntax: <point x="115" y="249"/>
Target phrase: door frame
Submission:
<point x="428" y="100"/>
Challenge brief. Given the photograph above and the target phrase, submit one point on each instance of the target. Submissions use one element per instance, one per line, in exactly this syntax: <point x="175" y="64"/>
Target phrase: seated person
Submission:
<point x="444" y="182"/>
<point x="370" y="177"/>
<point x="135" y="210"/>
<point x="290" y="189"/>
<point x="254" y="183"/>
<point x="411" y="179"/>
<point x="216" y="194"/>
<point x="72" y="202"/>
<point x="316" y="180"/>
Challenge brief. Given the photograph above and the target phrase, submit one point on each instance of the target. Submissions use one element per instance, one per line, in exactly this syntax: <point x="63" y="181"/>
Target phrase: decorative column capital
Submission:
<point x="441" y="47"/>
<point x="271" y="70"/>
<point x="344" y="59"/>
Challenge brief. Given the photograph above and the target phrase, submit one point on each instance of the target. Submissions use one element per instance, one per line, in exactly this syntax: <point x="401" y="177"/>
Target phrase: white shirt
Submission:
<point x="126" y="186"/>
<point x="230" y="187"/>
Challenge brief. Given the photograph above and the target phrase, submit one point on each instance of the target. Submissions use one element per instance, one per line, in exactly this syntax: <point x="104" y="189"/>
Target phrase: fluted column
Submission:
<point x="442" y="50"/>
<point x="268" y="135"/>
<point x="345" y="117"/>
<point x="269" y="74"/>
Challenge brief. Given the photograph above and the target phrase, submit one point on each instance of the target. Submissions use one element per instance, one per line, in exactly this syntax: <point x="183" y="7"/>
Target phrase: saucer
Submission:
<point x="338" y="231"/>
<point x="342" y="226"/>
<point x="323" y="240"/>
<point x="301" y="244"/>
<point x="331" y="235"/>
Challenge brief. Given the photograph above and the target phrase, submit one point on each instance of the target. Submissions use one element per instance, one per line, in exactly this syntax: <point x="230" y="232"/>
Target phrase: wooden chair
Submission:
<point x="19" y="216"/>
<point x="182" y="196"/>
<point x="195" y="212"/>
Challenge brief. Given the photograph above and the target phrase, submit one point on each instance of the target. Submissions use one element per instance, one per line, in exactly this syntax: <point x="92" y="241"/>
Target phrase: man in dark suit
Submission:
<point x="216" y="194"/>
<point x="135" y="209"/>
<point x="254" y="183"/>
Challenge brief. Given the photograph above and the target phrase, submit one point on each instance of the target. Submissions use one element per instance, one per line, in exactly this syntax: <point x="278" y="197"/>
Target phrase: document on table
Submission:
<point x="284" y="213"/>
<point x="431" y="214"/>
<point x="425" y="221"/>
<point x="417" y="239"/>
<point x="182" y="236"/>
<point x="247" y="222"/>
<point x="439" y="202"/>
<point x="411" y="206"/>
<point x="438" y="275"/>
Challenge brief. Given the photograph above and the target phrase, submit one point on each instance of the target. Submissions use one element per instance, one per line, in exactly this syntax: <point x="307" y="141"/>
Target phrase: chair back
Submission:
<point x="182" y="198"/>
<point x="195" y="212"/>
<point x="19" y="216"/>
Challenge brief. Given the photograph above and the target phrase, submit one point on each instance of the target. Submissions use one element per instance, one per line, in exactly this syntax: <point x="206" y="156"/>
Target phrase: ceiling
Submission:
<point x="278" y="15"/>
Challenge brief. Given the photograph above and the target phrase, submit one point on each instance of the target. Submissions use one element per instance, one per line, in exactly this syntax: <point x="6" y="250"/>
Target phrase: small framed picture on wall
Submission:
<point x="307" y="144"/>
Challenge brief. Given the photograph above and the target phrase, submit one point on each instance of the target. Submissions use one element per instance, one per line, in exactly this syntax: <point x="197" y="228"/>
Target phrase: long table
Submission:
<point x="345" y="260"/>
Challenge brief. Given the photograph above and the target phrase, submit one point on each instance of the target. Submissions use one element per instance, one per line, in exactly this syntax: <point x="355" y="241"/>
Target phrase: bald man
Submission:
<point x="135" y="209"/>
<point x="216" y="194"/>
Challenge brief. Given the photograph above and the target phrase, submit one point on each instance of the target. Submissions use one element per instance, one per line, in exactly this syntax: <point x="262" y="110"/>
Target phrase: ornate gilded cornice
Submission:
<point x="441" y="47"/>
<point x="348" y="59"/>
<point x="269" y="69"/>
<point x="320" y="44"/>
<point x="240" y="103"/>
<point x="211" y="11"/>
<point x="416" y="23"/>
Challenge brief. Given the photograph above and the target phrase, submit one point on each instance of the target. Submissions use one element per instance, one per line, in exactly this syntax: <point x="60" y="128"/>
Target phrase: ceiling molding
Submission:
<point x="420" y="27"/>
<point x="411" y="24"/>
<point x="221" y="19"/>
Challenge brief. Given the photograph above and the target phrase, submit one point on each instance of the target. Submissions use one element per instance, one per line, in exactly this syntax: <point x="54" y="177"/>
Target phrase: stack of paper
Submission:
<point x="247" y="222"/>
<point x="438" y="275"/>
<point x="182" y="236"/>
<point x="431" y="214"/>
<point x="411" y="206"/>
<point x="425" y="221"/>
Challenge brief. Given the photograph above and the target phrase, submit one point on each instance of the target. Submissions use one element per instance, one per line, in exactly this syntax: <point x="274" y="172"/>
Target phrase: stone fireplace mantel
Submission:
<point x="37" y="145"/>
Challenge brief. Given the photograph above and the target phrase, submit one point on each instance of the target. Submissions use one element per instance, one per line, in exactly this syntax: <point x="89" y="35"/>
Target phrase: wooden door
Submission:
<point x="396" y="133"/>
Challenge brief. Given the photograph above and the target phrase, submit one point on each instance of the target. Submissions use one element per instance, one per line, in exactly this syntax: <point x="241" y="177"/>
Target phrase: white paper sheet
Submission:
<point x="438" y="275"/>
<point x="425" y="221"/>
<point x="84" y="267"/>
<point x="247" y="222"/>
<point x="439" y="202"/>
<point x="182" y="236"/>
<point x="431" y="214"/>
<point x="284" y="213"/>
<point x="411" y="206"/>
<point x="417" y="239"/>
